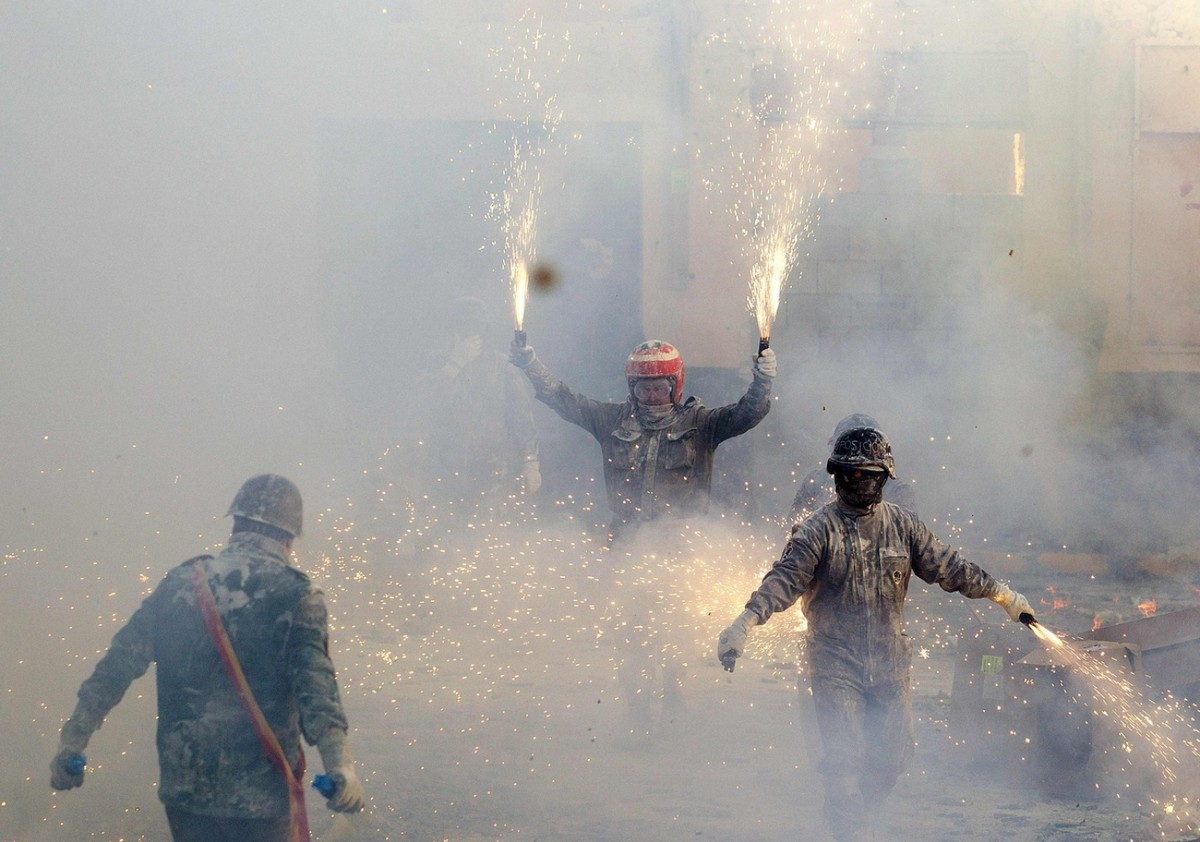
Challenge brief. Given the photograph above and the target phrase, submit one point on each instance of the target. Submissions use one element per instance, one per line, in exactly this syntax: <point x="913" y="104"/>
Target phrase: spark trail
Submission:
<point x="1154" y="750"/>
<point x="527" y="59"/>
<point x="777" y="164"/>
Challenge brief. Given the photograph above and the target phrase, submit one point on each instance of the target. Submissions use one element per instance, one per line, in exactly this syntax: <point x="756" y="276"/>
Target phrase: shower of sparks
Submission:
<point x="500" y="639"/>
<point x="1046" y="636"/>
<point x="502" y="585"/>
<point x="777" y="164"/>
<point x="517" y="207"/>
<point x="1151" y="747"/>
<point x="527" y="61"/>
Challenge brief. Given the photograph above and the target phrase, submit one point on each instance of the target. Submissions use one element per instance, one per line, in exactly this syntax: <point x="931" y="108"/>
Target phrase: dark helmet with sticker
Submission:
<point x="855" y="419"/>
<point x="862" y="447"/>
<point x="270" y="499"/>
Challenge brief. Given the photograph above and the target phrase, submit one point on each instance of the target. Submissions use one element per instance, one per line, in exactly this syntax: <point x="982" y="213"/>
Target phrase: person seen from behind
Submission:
<point x="230" y="758"/>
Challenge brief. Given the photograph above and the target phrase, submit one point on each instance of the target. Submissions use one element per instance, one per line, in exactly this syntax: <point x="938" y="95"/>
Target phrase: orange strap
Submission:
<point x="266" y="736"/>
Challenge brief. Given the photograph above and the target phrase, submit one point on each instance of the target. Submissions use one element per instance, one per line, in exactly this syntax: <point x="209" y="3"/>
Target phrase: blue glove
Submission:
<point x="66" y="769"/>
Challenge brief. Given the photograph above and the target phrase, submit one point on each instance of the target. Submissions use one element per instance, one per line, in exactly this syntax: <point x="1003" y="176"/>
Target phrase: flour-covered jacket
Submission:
<point x="211" y="761"/>
<point x="659" y="470"/>
<point x="850" y="569"/>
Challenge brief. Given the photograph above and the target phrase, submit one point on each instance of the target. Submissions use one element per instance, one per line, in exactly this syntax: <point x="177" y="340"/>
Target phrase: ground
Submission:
<point x="488" y="703"/>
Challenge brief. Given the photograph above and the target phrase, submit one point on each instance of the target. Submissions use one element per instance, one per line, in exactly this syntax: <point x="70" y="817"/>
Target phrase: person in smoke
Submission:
<point x="492" y="448"/>
<point x="850" y="564"/>
<point x="220" y="779"/>
<point x="658" y="448"/>
<point x="658" y="458"/>
<point x="817" y="487"/>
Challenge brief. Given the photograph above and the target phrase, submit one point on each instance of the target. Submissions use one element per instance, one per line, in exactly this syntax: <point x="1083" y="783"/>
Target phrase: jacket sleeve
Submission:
<point x="597" y="417"/>
<point x="725" y="422"/>
<point x="789" y="578"/>
<point x="933" y="561"/>
<point x="314" y="681"/>
<point x="127" y="659"/>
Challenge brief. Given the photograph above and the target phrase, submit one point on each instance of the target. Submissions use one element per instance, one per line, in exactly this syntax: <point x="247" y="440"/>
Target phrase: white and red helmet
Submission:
<point x="653" y="359"/>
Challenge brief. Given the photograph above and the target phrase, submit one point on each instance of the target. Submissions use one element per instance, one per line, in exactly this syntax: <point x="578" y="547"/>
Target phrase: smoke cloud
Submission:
<point x="231" y="239"/>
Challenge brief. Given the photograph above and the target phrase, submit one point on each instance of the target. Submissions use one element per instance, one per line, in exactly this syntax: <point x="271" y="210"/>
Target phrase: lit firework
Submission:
<point x="526" y="61"/>
<point x="519" y="211"/>
<point x="798" y="96"/>
<point x="780" y="219"/>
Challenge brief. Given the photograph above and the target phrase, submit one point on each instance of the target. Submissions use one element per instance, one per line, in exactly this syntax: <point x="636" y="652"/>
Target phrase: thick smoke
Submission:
<point x="231" y="238"/>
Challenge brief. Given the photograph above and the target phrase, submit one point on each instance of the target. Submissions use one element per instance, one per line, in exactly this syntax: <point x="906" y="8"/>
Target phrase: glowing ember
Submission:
<point x="1056" y="602"/>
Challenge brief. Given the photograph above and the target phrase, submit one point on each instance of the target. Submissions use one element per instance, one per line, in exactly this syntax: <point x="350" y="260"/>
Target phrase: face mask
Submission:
<point x="652" y="414"/>
<point x="860" y="489"/>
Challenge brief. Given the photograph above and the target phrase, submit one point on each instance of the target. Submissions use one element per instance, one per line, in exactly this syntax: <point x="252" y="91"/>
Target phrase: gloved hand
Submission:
<point x="347" y="795"/>
<point x="1012" y="602"/>
<point x="531" y="475"/>
<point x="465" y="349"/>
<point x="66" y="769"/>
<point x="733" y="640"/>
<point x="764" y="363"/>
<point x="62" y="775"/>
<point x="520" y="355"/>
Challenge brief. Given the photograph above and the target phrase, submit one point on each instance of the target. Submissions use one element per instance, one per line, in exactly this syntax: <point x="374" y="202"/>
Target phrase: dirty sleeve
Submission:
<point x="314" y="680"/>
<point x="725" y="422"/>
<point x="789" y="578"/>
<point x="128" y="657"/>
<point x="597" y="417"/>
<point x="934" y="561"/>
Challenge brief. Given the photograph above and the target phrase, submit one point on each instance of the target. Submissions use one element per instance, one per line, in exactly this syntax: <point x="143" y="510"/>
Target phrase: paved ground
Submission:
<point x="488" y="704"/>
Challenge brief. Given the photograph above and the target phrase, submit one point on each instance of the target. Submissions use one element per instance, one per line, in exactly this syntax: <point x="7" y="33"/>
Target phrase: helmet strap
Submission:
<point x="245" y="524"/>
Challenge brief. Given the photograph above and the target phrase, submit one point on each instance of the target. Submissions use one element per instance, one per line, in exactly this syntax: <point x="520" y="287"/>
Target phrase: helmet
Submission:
<point x="653" y="359"/>
<point x="269" y="499"/>
<point x="862" y="447"/>
<point x="856" y="419"/>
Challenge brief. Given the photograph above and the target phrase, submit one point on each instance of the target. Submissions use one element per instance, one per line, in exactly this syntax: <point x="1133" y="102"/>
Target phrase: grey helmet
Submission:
<point x="270" y="499"/>
<point x="862" y="447"/>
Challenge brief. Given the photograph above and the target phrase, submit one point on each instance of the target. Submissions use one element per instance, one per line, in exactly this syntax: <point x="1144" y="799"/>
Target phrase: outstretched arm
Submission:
<point x="128" y="657"/>
<point x="934" y="561"/>
<point x="597" y="417"/>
